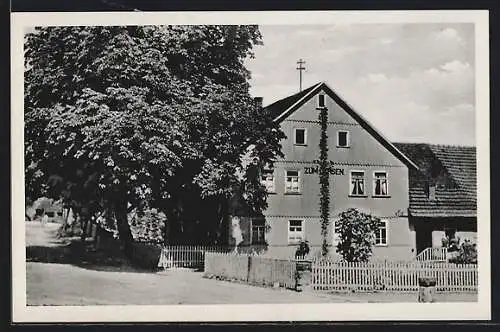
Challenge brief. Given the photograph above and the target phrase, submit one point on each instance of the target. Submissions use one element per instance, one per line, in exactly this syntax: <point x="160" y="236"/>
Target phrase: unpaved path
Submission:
<point x="67" y="284"/>
<point x="61" y="284"/>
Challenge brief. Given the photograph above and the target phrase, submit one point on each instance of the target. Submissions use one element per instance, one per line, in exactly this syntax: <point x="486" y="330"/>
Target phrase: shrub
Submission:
<point x="454" y="244"/>
<point x="302" y="249"/>
<point x="147" y="226"/>
<point x="467" y="254"/>
<point x="445" y="242"/>
<point x="146" y="255"/>
<point x="357" y="231"/>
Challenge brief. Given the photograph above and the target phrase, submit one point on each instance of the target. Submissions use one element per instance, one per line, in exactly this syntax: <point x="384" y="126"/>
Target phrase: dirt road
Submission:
<point x="68" y="284"/>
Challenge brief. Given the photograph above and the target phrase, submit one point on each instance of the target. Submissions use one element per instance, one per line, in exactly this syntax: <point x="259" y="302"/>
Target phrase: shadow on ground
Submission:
<point x="110" y="258"/>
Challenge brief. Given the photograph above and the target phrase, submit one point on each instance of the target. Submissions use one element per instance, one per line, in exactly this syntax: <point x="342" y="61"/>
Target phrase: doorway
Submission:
<point x="423" y="236"/>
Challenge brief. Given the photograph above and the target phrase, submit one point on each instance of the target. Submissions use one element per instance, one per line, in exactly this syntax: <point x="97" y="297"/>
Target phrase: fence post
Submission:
<point x="249" y="267"/>
<point x="304" y="275"/>
<point x="427" y="289"/>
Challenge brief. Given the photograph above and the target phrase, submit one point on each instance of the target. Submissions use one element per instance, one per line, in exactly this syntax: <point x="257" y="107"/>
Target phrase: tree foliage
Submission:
<point x="356" y="231"/>
<point x="142" y="117"/>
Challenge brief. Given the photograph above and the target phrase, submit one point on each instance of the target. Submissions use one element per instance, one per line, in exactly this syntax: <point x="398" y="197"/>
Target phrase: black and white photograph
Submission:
<point x="250" y="166"/>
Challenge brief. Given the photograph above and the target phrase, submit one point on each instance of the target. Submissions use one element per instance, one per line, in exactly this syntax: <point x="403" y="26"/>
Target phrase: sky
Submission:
<point x="412" y="82"/>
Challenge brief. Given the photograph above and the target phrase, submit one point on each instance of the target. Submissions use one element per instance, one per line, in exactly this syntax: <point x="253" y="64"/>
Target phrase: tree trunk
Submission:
<point x="83" y="226"/>
<point x="167" y="230"/>
<point x="124" y="231"/>
<point x="65" y="219"/>
<point x="222" y="233"/>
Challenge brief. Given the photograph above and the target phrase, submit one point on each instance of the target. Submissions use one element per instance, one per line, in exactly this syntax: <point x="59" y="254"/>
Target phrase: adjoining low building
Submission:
<point x="443" y="200"/>
<point x="419" y="191"/>
<point x="45" y="206"/>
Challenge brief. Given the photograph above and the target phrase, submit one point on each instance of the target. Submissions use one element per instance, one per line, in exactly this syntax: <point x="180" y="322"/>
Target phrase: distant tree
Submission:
<point x="356" y="230"/>
<point x="324" y="181"/>
<point x="122" y="118"/>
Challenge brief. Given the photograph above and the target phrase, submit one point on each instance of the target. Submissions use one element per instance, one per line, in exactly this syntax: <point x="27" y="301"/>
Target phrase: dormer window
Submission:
<point x="300" y="136"/>
<point x="321" y="101"/>
<point x="432" y="192"/>
<point x="343" y="139"/>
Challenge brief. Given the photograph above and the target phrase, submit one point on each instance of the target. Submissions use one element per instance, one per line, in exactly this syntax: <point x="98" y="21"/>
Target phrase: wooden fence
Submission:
<point x="433" y="254"/>
<point x="227" y="266"/>
<point x="186" y="256"/>
<point x="391" y="276"/>
<point x="251" y="269"/>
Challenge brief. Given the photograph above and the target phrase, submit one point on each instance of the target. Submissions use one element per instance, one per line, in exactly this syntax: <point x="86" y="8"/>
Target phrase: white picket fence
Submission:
<point x="186" y="256"/>
<point x="433" y="254"/>
<point x="251" y="268"/>
<point x="392" y="276"/>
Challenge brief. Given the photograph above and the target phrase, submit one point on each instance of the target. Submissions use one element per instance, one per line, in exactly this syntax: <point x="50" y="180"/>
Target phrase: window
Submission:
<point x="381" y="234"/>
<point x="292" y="182"/>
<point x="295" y="231"/>
<point x="268" y="180"/>
<point x="357" y="183"/>
<point x="258" y="231"/>
<point x="342" y="139"/>
<point x="300" y="136"/>
<point x="321" y="100"/>
<point x="380" y="184"/>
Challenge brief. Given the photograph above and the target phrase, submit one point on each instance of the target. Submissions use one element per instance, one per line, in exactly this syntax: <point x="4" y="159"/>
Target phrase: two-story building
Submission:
<point x="367" y="172"/>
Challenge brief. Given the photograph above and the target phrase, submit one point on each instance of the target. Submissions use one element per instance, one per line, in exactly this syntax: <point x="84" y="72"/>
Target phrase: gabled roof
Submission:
<point x="452" y="169"/>
<point x="279" y="106"/>
<point x="283" y="108"/>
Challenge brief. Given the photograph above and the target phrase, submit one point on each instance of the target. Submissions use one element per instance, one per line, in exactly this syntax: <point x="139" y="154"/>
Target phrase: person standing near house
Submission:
<point x="45" y="220"/>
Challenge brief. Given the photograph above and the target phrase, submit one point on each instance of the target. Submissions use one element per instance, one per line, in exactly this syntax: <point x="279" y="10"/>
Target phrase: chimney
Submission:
<point x="258" y="101"/>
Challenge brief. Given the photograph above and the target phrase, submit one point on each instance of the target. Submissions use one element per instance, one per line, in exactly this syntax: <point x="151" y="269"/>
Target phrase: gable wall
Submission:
<point x="365" y="153"/>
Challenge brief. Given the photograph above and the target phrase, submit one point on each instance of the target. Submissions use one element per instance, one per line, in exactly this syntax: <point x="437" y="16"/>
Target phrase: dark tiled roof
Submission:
<point x="282" y="105"/>
<point x="452" y="169"/>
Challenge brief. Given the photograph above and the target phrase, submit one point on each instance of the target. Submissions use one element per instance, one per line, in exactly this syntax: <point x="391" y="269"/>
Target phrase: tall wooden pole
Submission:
<point x="300" y="68"/>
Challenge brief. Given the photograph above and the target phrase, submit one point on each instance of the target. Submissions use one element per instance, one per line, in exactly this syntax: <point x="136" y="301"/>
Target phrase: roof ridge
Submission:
<point x="437" y="144"/>
<point x="294" y="94"/>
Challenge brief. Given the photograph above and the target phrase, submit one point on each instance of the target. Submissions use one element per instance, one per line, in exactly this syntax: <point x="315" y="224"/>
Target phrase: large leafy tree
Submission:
<point x="120" y="118"/>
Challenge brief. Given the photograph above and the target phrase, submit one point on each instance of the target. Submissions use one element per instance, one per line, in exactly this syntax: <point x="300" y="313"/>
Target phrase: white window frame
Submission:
<point x="302" y="232"/>
<point x="295" y="136"/>
<point x="251" y="231"/>
<point x="378" y="232"/>
<point x="324" y="100"/>
<point x="348" y="139"/>
<point x="350" y="183"/>
<point x="386" y="181"/>
<point x="299" y="188"/>
<point x="265" y="182"/>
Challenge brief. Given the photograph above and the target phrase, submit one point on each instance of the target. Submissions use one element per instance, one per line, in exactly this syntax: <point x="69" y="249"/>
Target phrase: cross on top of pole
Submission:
<point x="300" y="68"/>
